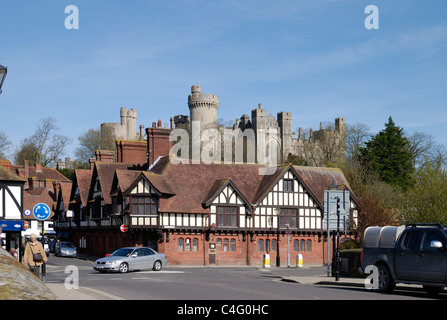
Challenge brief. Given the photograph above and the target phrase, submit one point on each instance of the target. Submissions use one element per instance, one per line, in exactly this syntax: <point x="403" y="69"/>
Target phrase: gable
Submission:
<point x="228" y="196"/>
<point x="289" y="190"/>
<point x="142" y="187"/>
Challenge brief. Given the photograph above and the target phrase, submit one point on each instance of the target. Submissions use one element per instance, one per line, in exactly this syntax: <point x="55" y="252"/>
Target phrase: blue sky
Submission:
<point x="313" y="58"/>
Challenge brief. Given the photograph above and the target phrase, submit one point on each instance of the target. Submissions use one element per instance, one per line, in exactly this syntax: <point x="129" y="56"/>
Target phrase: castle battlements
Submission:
<point x="199" y="99"/>
<point x="203" y="106"/>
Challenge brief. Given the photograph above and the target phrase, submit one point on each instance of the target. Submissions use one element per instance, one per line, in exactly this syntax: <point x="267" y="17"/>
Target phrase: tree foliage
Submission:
<point x="388" y="154"/>
<point x="426" y="202"/>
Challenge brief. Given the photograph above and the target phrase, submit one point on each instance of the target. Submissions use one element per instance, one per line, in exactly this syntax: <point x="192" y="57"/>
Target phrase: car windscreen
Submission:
<point x="67" y="245"/>
<point x="122" y="252"/>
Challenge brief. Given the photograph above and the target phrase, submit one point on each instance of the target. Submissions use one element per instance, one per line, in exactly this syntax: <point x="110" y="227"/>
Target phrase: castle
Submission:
<point x="313" y="148"/>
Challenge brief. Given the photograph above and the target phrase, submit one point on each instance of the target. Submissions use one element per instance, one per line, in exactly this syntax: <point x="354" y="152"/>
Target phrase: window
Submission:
<point x="309" y="245"/>
<point x="225" y="245"/>
<point x="180" y="244"/>
<point x="410" y="241"/>
<point x="287" y="217"/>
<point x="232" y="245"/>
<point x="148" y="252"/>
<point x="195" y="244"/>
<point x="288" y="185"/>
<point x="144" y="205"/>
<point x="219" y="245"/>
<point x="302" y="245"/>
<point x="188" y="244"/>
<point x="267" y="245"/>
<point x="429" y="237"/>
<point x="260" y="245"/>
<point x="296" y="244"/>
<point x="227" y="216"/>
<point x="274" y="245"/>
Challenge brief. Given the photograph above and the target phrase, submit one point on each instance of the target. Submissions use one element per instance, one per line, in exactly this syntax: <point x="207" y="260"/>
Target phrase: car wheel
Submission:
<point x="124" y="267"/>
<point x="386" y="282"/>
<point x="157" y="265"/>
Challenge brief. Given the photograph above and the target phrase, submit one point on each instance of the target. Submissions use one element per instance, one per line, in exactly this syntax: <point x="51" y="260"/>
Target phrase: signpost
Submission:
<point x="336" y="210"/>
<point x="41" y="211"/>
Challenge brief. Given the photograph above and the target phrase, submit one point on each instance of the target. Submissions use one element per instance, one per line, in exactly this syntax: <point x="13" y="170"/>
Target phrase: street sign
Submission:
<point x="123" y="228"/>
<point x="41" y="211"/>
<point x="336" y="201"/>
<point x="27" y="212"/>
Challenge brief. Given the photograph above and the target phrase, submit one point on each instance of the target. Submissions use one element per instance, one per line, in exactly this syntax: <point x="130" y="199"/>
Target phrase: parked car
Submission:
<point x="131" y="258"/>
<point x="414" y="254"/>
<point x="65" y="249"/>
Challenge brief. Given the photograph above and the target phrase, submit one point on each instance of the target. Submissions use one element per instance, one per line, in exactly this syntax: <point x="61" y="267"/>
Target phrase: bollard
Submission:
<point x="299" y="260"/>
<point x="266" y="261"/>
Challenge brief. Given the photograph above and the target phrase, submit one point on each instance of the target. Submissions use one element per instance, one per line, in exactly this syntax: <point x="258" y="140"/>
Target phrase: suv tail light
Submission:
<point x="361" y="256"/>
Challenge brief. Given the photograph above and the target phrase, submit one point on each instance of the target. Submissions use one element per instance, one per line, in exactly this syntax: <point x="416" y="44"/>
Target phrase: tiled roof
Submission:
<point x="82" y="179"/>
<point x="105" y="173"/>
<point x="195" y="184"/>
<point x="7" y="175"/>
<point x="39" y="195"/>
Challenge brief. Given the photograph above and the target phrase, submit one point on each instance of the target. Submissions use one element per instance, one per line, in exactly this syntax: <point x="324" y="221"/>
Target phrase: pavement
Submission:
<point x="308" y="275"/>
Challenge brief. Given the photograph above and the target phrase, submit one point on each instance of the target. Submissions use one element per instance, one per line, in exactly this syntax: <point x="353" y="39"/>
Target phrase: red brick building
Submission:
<point x="205" y="214"/>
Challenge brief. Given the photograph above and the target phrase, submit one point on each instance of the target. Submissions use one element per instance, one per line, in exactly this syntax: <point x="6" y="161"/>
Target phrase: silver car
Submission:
<point x="131" y="258"/>
<point x="66" y="249"/>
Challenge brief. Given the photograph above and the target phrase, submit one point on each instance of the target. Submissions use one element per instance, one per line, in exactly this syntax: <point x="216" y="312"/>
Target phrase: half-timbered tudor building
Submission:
<point x="203" y="214"/>
<point x="11" y="207"/>
<point x="225" y="214"/>
<point x="93" y="227"/>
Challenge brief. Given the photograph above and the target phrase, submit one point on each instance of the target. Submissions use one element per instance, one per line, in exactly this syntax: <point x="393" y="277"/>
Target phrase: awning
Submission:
<point x="11" y="225"/>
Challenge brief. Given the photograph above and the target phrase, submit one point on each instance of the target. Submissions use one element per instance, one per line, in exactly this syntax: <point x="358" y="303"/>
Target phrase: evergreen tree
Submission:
<point x="388" y="153"/>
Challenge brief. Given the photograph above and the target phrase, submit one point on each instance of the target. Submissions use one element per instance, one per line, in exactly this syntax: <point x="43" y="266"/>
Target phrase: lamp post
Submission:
<point x="3" y="72"/>
<point x="278" y="260"/>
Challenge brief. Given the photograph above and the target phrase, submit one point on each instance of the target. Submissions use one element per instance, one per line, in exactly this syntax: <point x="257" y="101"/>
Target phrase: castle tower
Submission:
<point x="202" y="107"/>
<point x="285" y="125"/>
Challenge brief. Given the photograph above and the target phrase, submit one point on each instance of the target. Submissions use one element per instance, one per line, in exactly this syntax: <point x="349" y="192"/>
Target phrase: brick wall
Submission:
<point x="131" y="151"/>
<point x="232" y="249"/>
<point x="158" y="143"/>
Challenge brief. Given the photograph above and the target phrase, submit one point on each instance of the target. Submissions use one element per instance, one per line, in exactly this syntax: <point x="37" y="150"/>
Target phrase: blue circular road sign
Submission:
<point x="41" y="211"/>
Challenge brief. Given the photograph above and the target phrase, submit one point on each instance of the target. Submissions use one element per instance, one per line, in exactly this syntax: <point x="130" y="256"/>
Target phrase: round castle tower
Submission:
<point x="202" y="107"/>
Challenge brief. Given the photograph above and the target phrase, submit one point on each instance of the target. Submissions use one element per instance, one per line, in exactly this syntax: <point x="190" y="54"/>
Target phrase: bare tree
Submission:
<point x="44" y="146"/>
<point x="4" y="145"/>
<point x="89" y="142"/>
<point x="325" y="147"/>
<point x="356" y="136"/>
<point x="424" y="148"/>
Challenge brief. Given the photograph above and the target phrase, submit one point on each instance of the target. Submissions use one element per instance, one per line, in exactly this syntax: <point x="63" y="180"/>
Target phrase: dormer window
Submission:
<point x="144" y="205"/>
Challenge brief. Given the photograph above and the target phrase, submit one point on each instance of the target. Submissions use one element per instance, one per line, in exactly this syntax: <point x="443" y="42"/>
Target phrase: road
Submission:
<point x="205" y="283"/>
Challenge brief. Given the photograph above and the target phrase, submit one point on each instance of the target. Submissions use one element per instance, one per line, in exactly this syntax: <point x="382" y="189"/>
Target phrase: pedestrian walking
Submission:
<point x="34" y="255"/>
